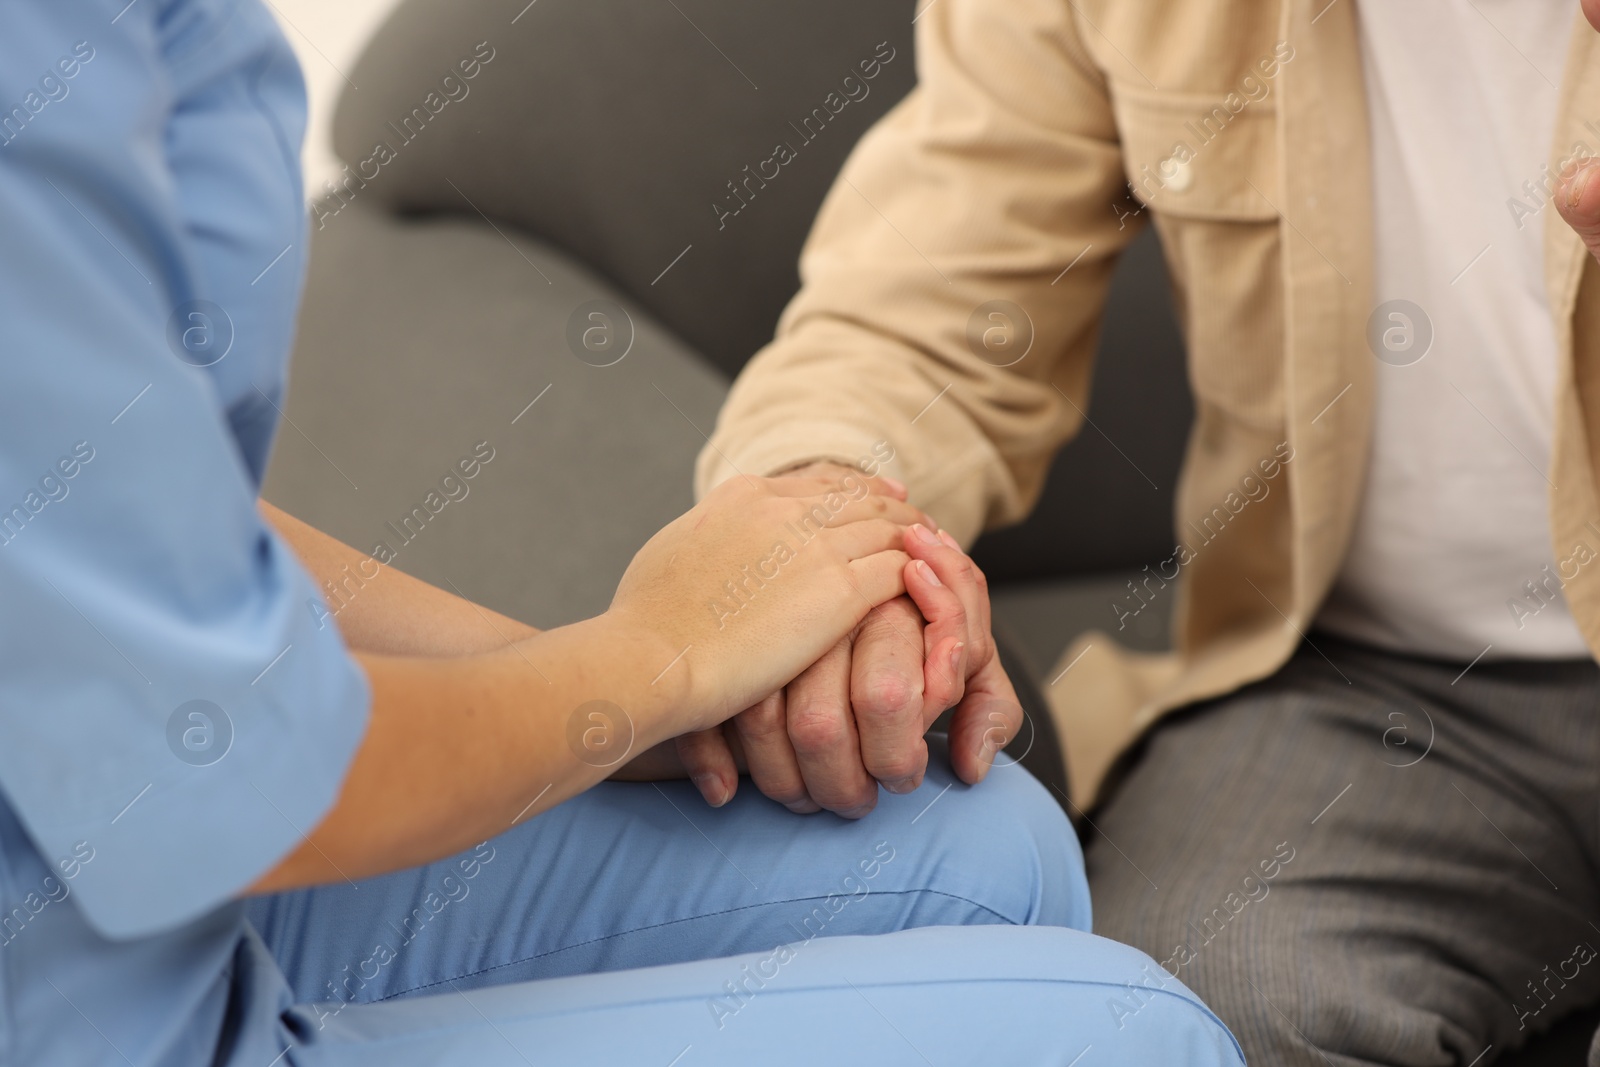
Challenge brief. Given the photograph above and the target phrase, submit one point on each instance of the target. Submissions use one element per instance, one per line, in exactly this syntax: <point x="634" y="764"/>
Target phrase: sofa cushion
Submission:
<point x="421" y="338"/>
<point x="613" y="131"/>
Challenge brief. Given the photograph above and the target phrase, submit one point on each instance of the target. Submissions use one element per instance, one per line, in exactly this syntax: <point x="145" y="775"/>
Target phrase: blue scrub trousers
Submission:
<point x="633" y="925"/>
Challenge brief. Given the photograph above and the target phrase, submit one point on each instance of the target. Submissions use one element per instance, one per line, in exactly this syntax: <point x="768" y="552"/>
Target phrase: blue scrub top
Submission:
<point x="173" y="718"/>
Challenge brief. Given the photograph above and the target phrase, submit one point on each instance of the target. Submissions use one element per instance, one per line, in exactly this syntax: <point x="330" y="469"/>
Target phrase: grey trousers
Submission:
<point x="1367" y="858"/>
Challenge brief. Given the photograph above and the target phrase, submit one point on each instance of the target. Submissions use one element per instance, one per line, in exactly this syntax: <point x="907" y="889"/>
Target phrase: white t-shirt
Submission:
<point x="1453" y="524"/>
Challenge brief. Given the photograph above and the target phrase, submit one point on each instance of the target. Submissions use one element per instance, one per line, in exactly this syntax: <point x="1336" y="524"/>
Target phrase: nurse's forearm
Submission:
<point x="458" y="750"/>
<point x="380" y="609"/>
<point x="398" y="615"/>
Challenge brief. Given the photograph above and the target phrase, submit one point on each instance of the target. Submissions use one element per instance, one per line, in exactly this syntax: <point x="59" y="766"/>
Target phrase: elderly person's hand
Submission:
<point x="855" y="719"/>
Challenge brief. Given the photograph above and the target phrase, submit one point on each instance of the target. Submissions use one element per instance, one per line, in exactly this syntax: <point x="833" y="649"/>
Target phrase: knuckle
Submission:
<point x="762" y="726"/>
<point x="768" y="752"/>
<point x="784" y="787"/>
<point x="858" y="804"/>
<point x="767" y="710"/>
<point x="814" y="732"/>
<point x="963" y="569"/>
<point x="885" y="693"/>
<point x="896" y="766"/>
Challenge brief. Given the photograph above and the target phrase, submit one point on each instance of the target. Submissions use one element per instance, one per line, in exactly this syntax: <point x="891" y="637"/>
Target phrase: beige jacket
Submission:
<point x="1042" y="133"/>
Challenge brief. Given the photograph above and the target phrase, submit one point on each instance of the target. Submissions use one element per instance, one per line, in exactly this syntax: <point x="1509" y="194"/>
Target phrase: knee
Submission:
<point x="1282" y="986"/>
<point x="1118" y="1001"/>
<point x="1149" y="1014"/>
<point x="1004" y="844"/>
<point x="1229" y="971"/>
<point x="1282" y="1015"/>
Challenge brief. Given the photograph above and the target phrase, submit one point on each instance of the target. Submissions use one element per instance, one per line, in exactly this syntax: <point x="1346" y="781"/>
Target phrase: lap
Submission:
<point x="633" y="875"/>
<point x="1337" y="895"/>
<point x="1025" y="996"/>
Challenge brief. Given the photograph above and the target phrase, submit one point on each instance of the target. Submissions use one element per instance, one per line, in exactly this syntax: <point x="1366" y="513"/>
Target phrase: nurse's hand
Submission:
<point x="850" y="720"/>
<point x="757" y="581"/>
<point x="1578" y="190"/>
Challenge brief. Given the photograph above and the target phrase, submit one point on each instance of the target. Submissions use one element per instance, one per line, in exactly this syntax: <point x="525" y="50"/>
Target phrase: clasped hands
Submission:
<point x="856" y="718"/>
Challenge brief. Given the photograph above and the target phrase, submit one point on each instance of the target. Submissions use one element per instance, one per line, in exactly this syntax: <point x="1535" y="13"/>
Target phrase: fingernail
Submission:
<point x="711" y="787"/>
<point x="894" y="483"/>
<point x="804" y="807"/>
<point x="985" y="759"/>
<point x="857" y="813"/>
<point x="925" y="535"/>
<point x="955" y="658"/>
<point x="902" y="785"/>
<point x="950" y="541"/>
<point x="1577" y="185"/>
<point x="927" y="573"/>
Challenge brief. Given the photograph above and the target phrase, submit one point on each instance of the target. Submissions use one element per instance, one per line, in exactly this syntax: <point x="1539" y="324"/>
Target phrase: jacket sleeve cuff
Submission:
<point x="953" y="497"/>
<point x="794" y="443"/>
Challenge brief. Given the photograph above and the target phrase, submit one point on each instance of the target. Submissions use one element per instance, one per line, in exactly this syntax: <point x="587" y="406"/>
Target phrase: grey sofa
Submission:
<point x="513" y="163"/>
